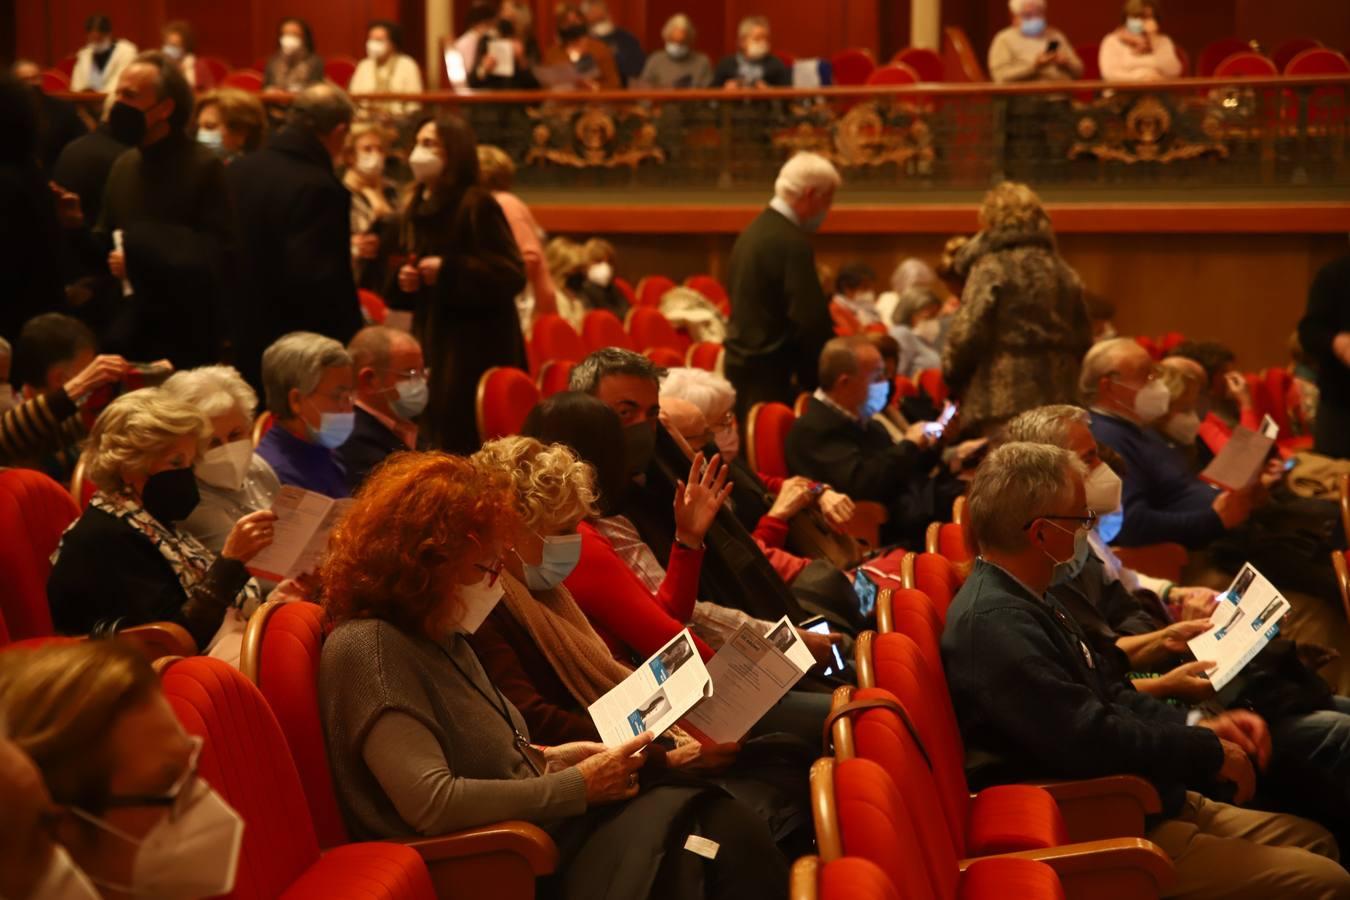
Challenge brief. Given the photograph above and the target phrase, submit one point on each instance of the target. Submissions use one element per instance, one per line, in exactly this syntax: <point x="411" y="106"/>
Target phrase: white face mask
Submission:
<point x="102" y="46"/>
<point x="1103" y="488"/>
<point x="866" y="298"/>
<point x="756" y="49"/>
<point x="602" y="273"/>
<point x="371" y="162"/>
<point x="187" y="858"/>
<point x="676" y="51"/>
<point x="602" y="29"/>
<point x="928" y="331"/>
<point x="475" y="602"/>
<point x="728" y="440"/>
<point x="225" y="466"/>
<point x="8" y="399"/>
<point x="426" y="164"/>
<point x="1183" y="428"/>
<point x="377" y="49"/>
<point x="290" y="44"/>
<point x="64" y="880"/>
<point x="1151" y="401"/>
<point x="172" y="51"/>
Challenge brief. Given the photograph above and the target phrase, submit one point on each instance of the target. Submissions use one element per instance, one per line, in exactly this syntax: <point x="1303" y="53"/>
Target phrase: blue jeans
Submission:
<point x="1309" y="773"/>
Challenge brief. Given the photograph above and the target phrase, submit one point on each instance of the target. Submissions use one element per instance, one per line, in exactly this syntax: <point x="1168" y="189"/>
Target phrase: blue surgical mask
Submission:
<point x="333" y="430"/>
<point x="1033" y="26"/>
<point x="561" y="555"/>
<point x="1134" y="25"/>
<point x="1068" y="569"/>
<point x="1109" y="525"/>
<point x="411" y="399"/>
<point x="878" y="392"/>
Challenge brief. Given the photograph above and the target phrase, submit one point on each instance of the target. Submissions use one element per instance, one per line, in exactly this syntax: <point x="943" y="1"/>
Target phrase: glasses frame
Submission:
<point x="175" y="797"/>
<point x="1090" y="520"/>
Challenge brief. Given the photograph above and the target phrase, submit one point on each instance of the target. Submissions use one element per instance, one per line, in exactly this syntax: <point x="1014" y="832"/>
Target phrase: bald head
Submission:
<point x="1118" y="357"/>
<point x="383" y="358"/>
<point x="1187" y="368"/>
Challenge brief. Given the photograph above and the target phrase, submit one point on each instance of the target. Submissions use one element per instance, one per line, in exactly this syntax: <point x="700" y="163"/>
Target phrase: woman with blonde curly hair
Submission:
<point x="1019" y="337"/>
<point x="127" y="559"/>
<point x="423" y="742"/>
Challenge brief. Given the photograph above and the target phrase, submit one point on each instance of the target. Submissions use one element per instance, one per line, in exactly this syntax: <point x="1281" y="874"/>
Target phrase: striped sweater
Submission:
<point x="42" y="427"/>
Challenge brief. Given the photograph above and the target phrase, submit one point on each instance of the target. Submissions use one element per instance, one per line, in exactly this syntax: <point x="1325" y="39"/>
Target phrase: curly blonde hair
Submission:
<point x="496" y="171"/>
<point x="136" y="427"/>
<point x="552" y="486"/>
<point x="1013" y="206"/>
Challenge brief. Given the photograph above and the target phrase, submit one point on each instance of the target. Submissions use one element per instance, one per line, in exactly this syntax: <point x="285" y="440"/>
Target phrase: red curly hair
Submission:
<point x="415" y="522"/>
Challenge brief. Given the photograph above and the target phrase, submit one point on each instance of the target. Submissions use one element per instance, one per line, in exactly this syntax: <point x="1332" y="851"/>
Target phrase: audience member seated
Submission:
<point x="295" y="224"/>
<point x="916" y="329"/>
<point x="677" y="64"/>
<point x="1138" y="50"/>
<point x="1186" y="381"/>
<point x="752" y="65"/>
<point x="589" y="60"/>
<point x="231" y="122"/>
<point x="498" y="174"/>
<point x="117" y="808"/>
<point x="600" y="290"/>
<point x="1226" y="400"/>
<point x="1031" y="697"/>
<point x="386" y="69"/>
<point x="127" y="557"/>
<point x="57" y="375"/>
<point x="391" y="392"/>
<point x="1163" y="500"/>
<point x="103" y="58"/>
<point x="1022" y="329"/>
<point x="1024" y="52"/>
<point x="59" y="121"/>
<point x="513" y="23"/>
<point x="854" y="304"/>
<point x="421" y="748"/>
<point x="374" y="201"/>
<point x="295" y="65"/>
<point x="779" y="313"/>
<point x="893" y="417"/>
<point x="180" y="46"/>
<point x="168" y="198"/>
<point x="567" y="268"/>
<point x="629" y="56"/>
<point x="911" y="272"/>
<point x="307" y="386"/>
<point x="232" y="480"/>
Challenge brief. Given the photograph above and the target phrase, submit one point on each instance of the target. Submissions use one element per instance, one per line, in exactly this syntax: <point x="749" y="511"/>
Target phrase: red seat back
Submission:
<point x="935" y="576"/>
<point x="705" y="355"/>
<point x="1284" y="54"/>
<point x="952" y="543"/>
<point x="1317" y="61"/>
<point x="601" y="328"/>
<point x="626" y="289"/>
<point x="554" y="377"/>
<point x="505" y="398"/>
<point x="288" y="678"/>
<point x="1090" y="54"/>
<point x="664" y="357"/>
<point x="1247" y="64"/>
<point x="712" y="291"/>
<point x="34" y="512"/>
<point x="651" y="289"/>
<point x="1275" y="386"/>
<point x="373" y="306"/>
<point x="648" y="328"/>
<point x="927" y="64"/>
<point x="247" y="760"/>
<point x="851" y="67"/>
<point x="905" y="387"/>
<point x="1217" y="52"/>
<point x="767" y="429"/>
<point x="931" y="383"/>
<point x="55" y="81"/>
<point x="67" y="65"/>
<point x="893" y="73"/>
<point x="244" y="79"/>
<point x="850" y="878"/>
<point x="218" y="68"/>
<point x="339" y="70"/>
<point x="554" y="338"/>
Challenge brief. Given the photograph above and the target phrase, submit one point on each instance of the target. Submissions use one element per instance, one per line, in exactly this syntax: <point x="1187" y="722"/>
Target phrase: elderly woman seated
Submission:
<point x="421" y="739"/>
<point x="126" y="559"/>
<point x="233" y="480"/>
<point x="916" y="327"/>
<point x="307" y="385"/>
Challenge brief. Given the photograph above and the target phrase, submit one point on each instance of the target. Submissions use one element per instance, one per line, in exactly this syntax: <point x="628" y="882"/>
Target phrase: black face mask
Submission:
<point x="126" y="124"/>
<point x="575" y="282"/>
<point x="639" y="447"/>
<point x="171" y="495"/>
<point x="572" y="33"/>
<point x="506" y="28"/>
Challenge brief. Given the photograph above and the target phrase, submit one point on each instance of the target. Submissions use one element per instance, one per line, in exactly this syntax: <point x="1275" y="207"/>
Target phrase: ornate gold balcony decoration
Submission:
<point x="868" y="134"/>
<point x="1145" y="133"/>
<point x="591" y="136"/>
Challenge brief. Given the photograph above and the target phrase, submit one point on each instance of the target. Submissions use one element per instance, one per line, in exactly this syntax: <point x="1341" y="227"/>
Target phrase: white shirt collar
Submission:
<point x="830" y="402"/>
<point x="785" y="208"/>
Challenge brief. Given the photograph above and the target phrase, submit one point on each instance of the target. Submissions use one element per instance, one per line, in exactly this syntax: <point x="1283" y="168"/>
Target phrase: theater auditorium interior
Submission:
<point x="620" y="449"/>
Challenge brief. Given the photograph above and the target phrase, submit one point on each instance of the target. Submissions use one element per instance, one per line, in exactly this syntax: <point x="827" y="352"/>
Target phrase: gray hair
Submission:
<point x="297" y="361"/>
<point x="373" y="345"/>
<point x="133" y="429"/>
<point x="748" y="23"/>
<point x="215" y="390"/>
<point x="912" y="272"/>
<point x="803" y="172"/>
<point x="588" y="373"/>
<point x="913" y="300"/>
<point x="320" y="108"/>
<point x="1046" y="424"/>
<point x="1015" y="484"/>
<point x="1102" y="360"/>
<point x="679" y="20"/>
<point x="709" y="392"/>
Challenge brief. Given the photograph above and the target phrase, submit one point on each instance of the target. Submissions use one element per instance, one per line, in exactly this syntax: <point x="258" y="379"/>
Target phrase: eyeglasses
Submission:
<point x="409" y="374"/>
<point x="493" y="571"/>
<point x="178" y="797"/>
<point x="1089" y="521"/>
<point x="726" y="420"/>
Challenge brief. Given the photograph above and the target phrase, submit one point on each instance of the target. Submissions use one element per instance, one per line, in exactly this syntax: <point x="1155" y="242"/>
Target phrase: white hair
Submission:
<point x="679" y="20"/>
<point x="298" y="360"/>
<point x="1046" y="424"/>
<point x="1016" y="6"/>
<point x="804" y="172"/>
<point x="215" y="390"/>
<point x="748" y="23"/>
<point x="712" y="394"/>
<point x="1015" y="484"/>
<point x="1102" y="360"/>
<point x="912" y="272"/>
<point x="912" y="301"/>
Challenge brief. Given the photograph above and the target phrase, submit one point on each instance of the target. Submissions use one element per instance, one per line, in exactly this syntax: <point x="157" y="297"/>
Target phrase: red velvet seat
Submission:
<point x="665" y="357"/>
<point x="505" y="398"/>
<point x="846" y="878"/>
<point x="554" y="377"/>
<point x="373" y="306"/>
<point x="1247" y="64"/>
<point x="244" y="79"/>
<point x="948" y="540"/>
<point x="55" y="81"/>
<point x="651" y="289"/>
<point x="893" y="74"/>
<point x="705" y="355"/>
<point x="339" y="70"/>
<point x="1215" y="53"/>
<point x="34" y="512"/>
<point x="626" y="289"/>
<point x="601" y="328"/>
<point x="1284" y="54"/>
<point x="281" y="653"/>
<point x="937" y="578"/>
<point x="245" y="758"/>
<point x="931" y="383"/>
<point x="648" y="328"/>
<point x="555" y="338"/>
<point x="712" y="291"/>
<point x="218" y="68"/>
<point x="927" y="64"/>
<point x="766" y="430"/>
<point x="1317" y="61"/>
<point x="851" y="67"/>
<point x="904" y="388"/>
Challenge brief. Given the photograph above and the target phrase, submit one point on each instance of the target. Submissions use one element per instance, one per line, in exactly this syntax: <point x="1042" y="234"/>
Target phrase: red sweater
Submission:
<point x="633" y="621"/>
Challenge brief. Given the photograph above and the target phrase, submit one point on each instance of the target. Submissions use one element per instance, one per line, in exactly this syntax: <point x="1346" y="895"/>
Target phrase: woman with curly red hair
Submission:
<point x="421" y="741"/>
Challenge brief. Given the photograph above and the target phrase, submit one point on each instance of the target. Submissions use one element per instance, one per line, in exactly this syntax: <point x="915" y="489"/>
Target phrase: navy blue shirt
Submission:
<point x="311" y="466"/>
<point x="1163" y="501"/>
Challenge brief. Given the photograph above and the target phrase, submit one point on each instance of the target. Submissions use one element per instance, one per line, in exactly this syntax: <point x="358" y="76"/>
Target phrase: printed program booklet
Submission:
<point x="1245" y="621"/>
<point x="304" y="521"/>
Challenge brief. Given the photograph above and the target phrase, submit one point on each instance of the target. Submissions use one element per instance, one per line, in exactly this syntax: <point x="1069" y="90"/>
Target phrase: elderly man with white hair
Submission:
<point x="677" y="64"/>
<point x="307" y="386"/>
<point x="752" y="65"/>
<point x="1029" y="50"/>
<point x="780" y="316"/>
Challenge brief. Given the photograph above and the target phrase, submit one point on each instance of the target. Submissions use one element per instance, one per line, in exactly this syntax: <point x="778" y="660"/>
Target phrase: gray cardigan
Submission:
<point x="442" y="756"/>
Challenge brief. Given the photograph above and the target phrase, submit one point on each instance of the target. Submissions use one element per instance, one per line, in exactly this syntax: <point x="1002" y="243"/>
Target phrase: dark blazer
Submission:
<point x="58" y="125"/>
<point x="1030" y="693"/>
<point x="854" y="458"/>
<point x="295" y="226"/>
<point x="83" y="167"/>
<point x="776" y="72"/>
<point x="1328" y="315"/>
<point x="370" y="444"/>
<point x="780" y="316"/>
